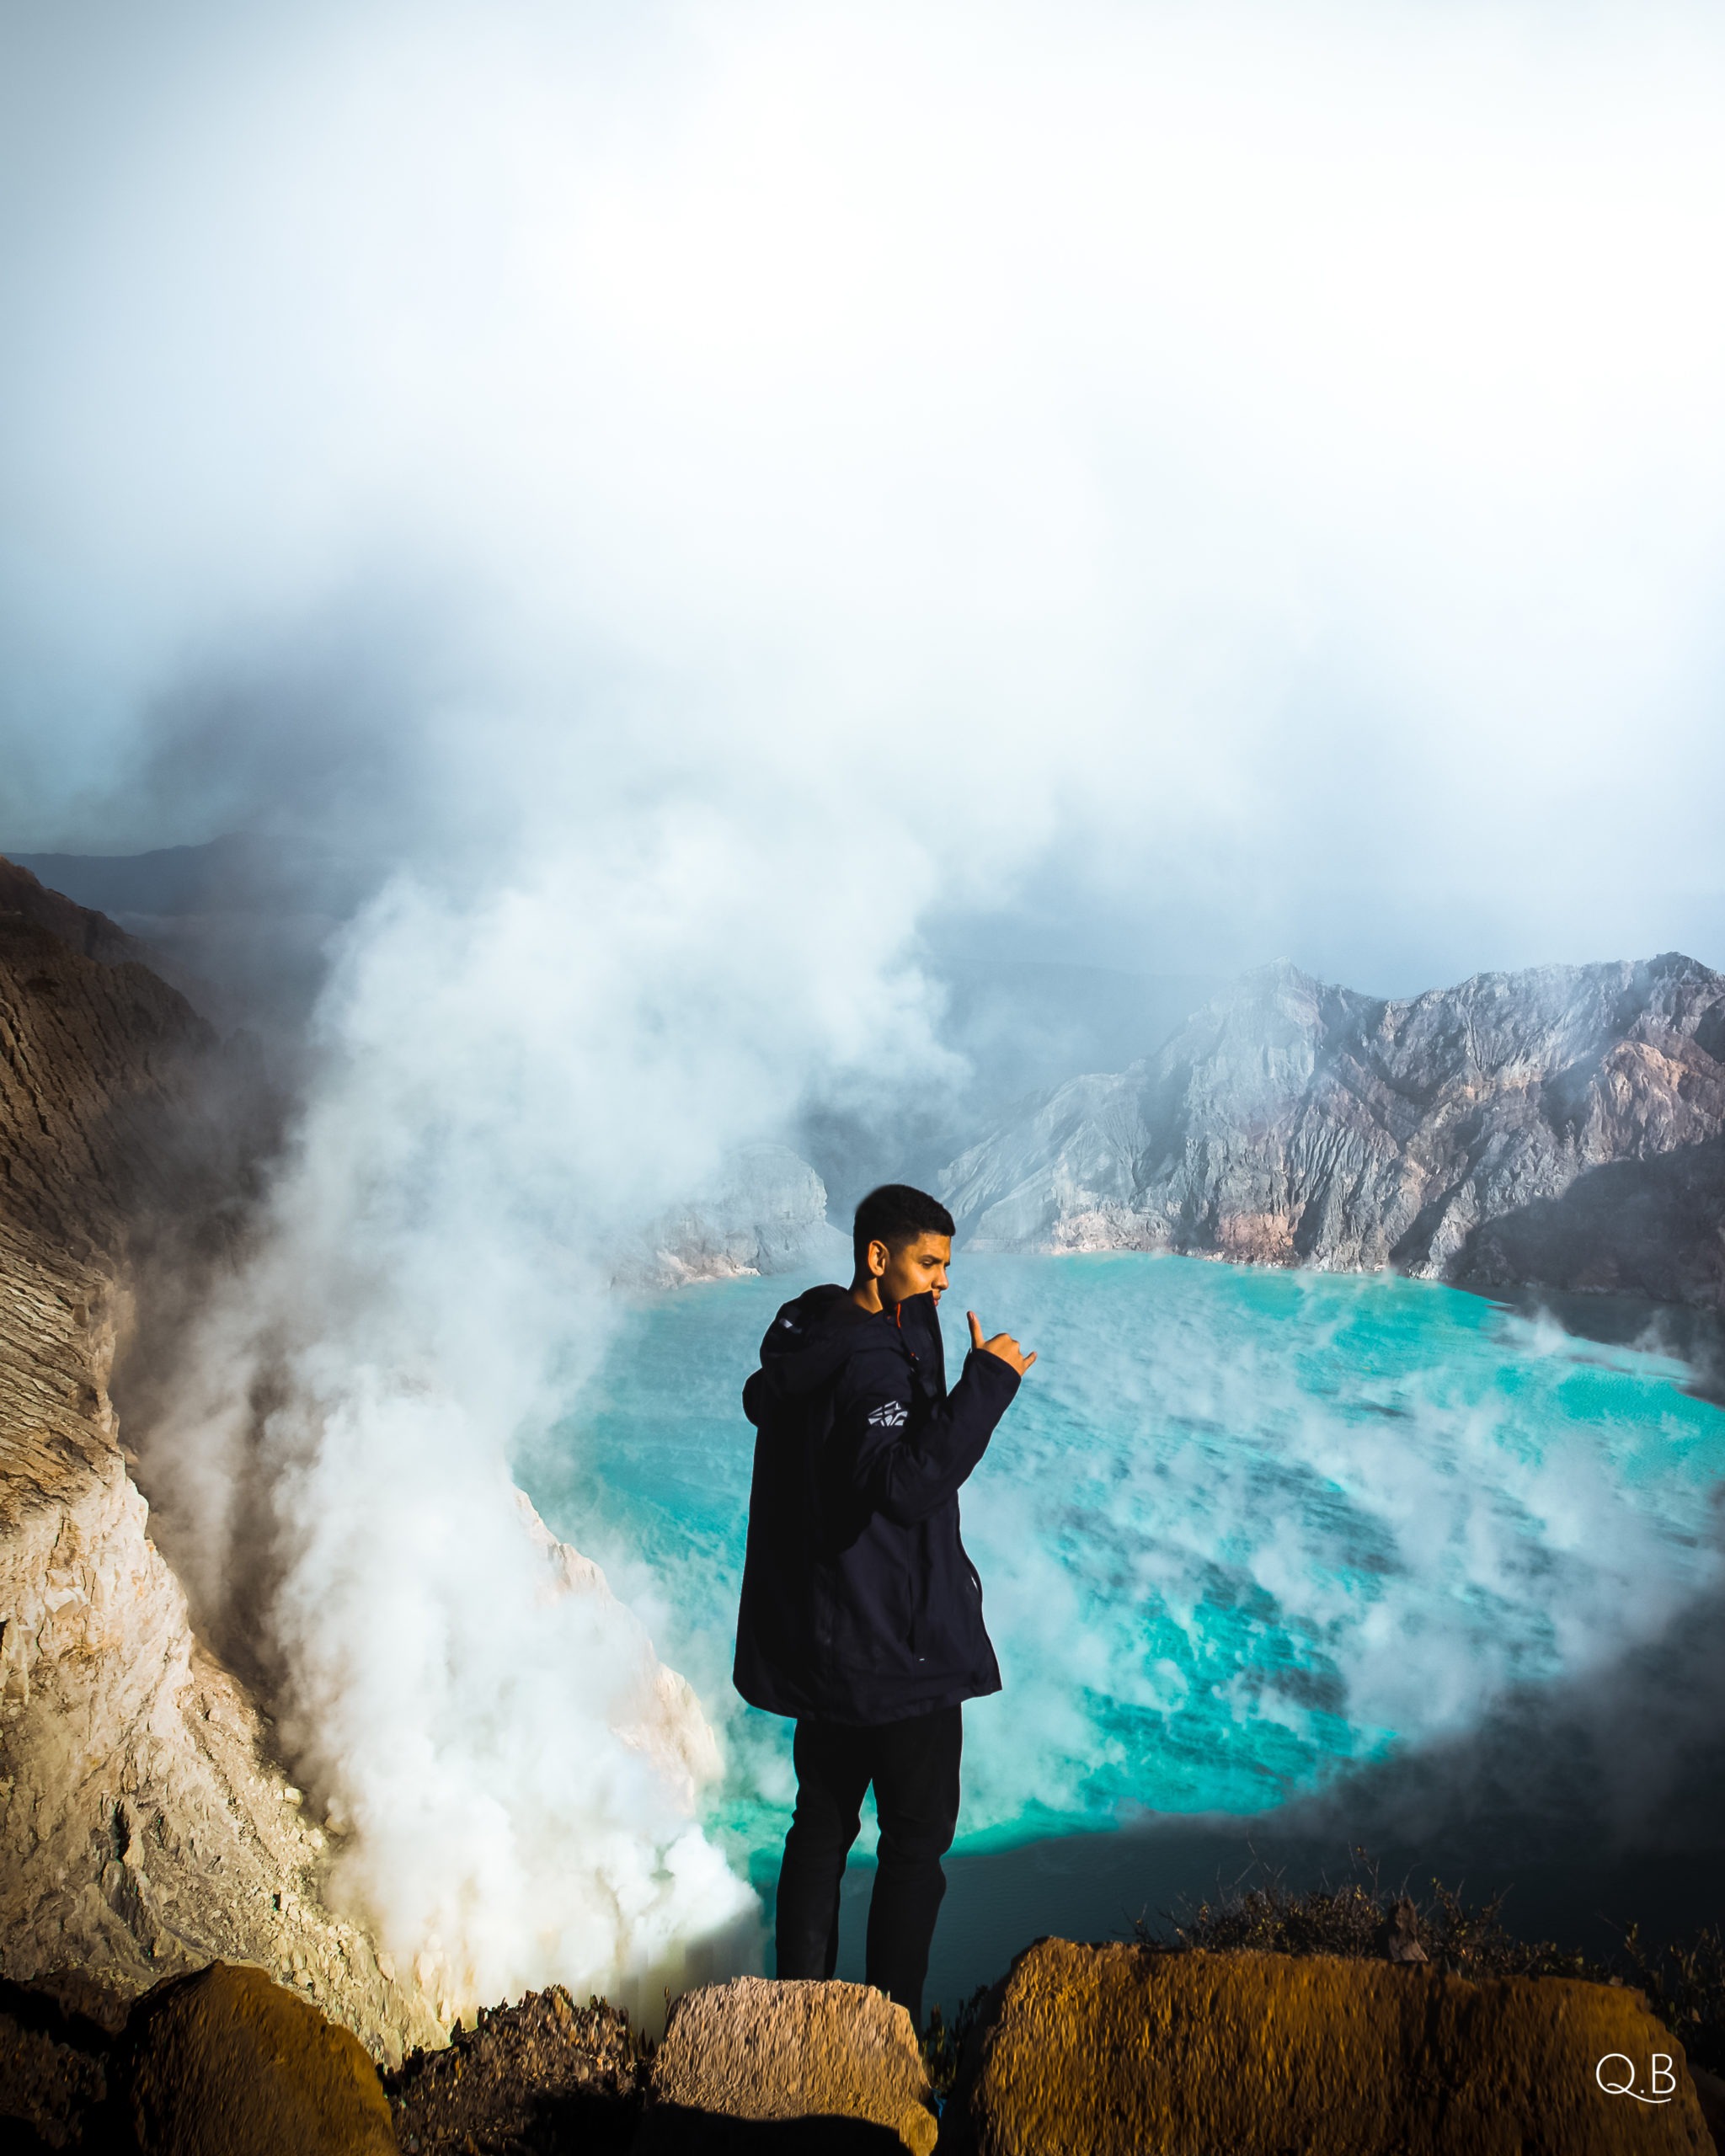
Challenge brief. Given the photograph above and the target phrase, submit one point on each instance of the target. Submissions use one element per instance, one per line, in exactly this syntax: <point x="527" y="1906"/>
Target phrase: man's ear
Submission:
<point x="878" y="1257"/>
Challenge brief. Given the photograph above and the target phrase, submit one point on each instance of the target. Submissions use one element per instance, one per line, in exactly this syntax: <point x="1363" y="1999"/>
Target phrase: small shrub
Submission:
<point x="943" y="2043"/>
<point x="1684" y="1983"/>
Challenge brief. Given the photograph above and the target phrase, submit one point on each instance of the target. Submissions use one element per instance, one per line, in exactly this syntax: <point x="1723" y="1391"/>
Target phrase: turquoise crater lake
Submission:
<point x="1242" y="1529"/>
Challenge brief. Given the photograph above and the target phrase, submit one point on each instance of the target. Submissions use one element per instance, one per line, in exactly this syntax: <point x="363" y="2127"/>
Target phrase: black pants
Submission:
<point x="914" y="1766"/>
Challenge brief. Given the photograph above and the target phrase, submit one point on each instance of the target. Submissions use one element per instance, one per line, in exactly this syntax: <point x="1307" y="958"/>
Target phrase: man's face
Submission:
<point x="918" y="1268"/>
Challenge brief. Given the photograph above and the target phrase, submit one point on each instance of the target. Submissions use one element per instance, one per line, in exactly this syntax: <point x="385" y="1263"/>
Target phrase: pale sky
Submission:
<point x="1218" y="482"/>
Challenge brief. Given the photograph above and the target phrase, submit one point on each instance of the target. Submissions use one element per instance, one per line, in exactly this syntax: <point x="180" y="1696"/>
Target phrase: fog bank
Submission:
<point x="725" y="511"/>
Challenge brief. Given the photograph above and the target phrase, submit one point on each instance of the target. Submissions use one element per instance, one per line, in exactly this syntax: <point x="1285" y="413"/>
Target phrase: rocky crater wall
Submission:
<point x="1564" y="1126"/>
<point x="147" y="1828"/>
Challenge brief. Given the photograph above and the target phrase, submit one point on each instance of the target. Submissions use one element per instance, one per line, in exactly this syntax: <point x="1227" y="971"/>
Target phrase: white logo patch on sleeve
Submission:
<point x="890" y="1415"/>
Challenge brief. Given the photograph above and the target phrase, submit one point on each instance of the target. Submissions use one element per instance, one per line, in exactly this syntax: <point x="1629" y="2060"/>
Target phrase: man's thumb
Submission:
<point x="975" y="1329"/>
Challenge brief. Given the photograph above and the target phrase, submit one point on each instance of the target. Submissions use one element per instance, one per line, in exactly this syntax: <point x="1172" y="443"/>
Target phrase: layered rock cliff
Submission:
<point x="146" y="1826"/>
<point x="767" y="1213"/>
<point x="1564" y="1126"/>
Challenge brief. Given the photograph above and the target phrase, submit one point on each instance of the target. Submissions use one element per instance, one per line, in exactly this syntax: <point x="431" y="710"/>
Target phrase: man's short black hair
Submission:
<point x="896" y="1215"/>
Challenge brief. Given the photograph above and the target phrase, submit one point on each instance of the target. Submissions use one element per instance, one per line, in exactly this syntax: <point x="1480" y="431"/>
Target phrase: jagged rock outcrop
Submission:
<point x="1110" y="2051"/>
<point x="542" y="2076"/>
<point x="667" y="1722"/>
<point x="767" y="1213"/>
<point x="1562" y="1125"/>
<point x="146" y="1829"/>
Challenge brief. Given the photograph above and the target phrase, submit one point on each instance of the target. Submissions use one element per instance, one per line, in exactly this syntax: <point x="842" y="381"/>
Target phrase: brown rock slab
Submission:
<point x="1121" y="2050"/>
<point x="841" y="2059"/>
<point x="227" y="2063"/>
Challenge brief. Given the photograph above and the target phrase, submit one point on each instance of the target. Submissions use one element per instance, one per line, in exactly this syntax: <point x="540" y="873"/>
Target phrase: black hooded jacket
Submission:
<point x="859" y="1604"/>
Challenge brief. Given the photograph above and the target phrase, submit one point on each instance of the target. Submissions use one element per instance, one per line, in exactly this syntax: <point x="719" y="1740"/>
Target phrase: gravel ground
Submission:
<point x="535" y="2079"/>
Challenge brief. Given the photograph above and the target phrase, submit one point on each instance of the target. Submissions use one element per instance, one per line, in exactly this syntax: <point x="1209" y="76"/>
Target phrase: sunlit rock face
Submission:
<point x="765" y="1214"/>
<point x="659" y="1714"/>
<point x="1453" y="1134"/>
<point x="147" y="1827"/>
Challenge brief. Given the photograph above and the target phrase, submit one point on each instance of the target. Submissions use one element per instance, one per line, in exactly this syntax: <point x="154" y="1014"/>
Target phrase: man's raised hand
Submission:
<point x="1002" y="1345"/>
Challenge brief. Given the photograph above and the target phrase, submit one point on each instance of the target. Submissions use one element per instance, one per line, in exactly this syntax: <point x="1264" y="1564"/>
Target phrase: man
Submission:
<point x="862" y="1615"/>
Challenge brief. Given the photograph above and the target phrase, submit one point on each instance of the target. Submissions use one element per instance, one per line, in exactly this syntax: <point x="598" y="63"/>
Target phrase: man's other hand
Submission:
<point x="1002" y="1345"/>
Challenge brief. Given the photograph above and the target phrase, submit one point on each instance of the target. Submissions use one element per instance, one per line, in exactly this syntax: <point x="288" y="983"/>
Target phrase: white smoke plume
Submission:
<point x="710" y="491"/>
<point x="508" y="1092"/>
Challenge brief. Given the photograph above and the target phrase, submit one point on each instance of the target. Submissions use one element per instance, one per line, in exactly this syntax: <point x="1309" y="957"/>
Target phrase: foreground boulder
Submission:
<point x="227" y="2063"/>
<point x="1121" y="2051"/>
<point x="820" y="2052"/>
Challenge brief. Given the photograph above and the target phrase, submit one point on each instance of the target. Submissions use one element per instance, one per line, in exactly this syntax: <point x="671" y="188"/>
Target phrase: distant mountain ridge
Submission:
<point x="240" y="925"/>
<point x="1564" y="1125"/>
<point x="26" y="901"/>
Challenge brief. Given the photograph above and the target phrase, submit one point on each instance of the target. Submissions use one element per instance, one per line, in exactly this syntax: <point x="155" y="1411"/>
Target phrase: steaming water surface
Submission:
<point x="1239" y="1530"/>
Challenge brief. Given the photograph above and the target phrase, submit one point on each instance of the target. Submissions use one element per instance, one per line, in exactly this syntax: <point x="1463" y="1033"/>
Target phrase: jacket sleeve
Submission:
<point x="904" y="1455"/>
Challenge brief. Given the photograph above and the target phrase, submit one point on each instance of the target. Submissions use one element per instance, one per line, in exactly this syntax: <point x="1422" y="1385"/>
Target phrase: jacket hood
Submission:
<point x="810" y="1338"/>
